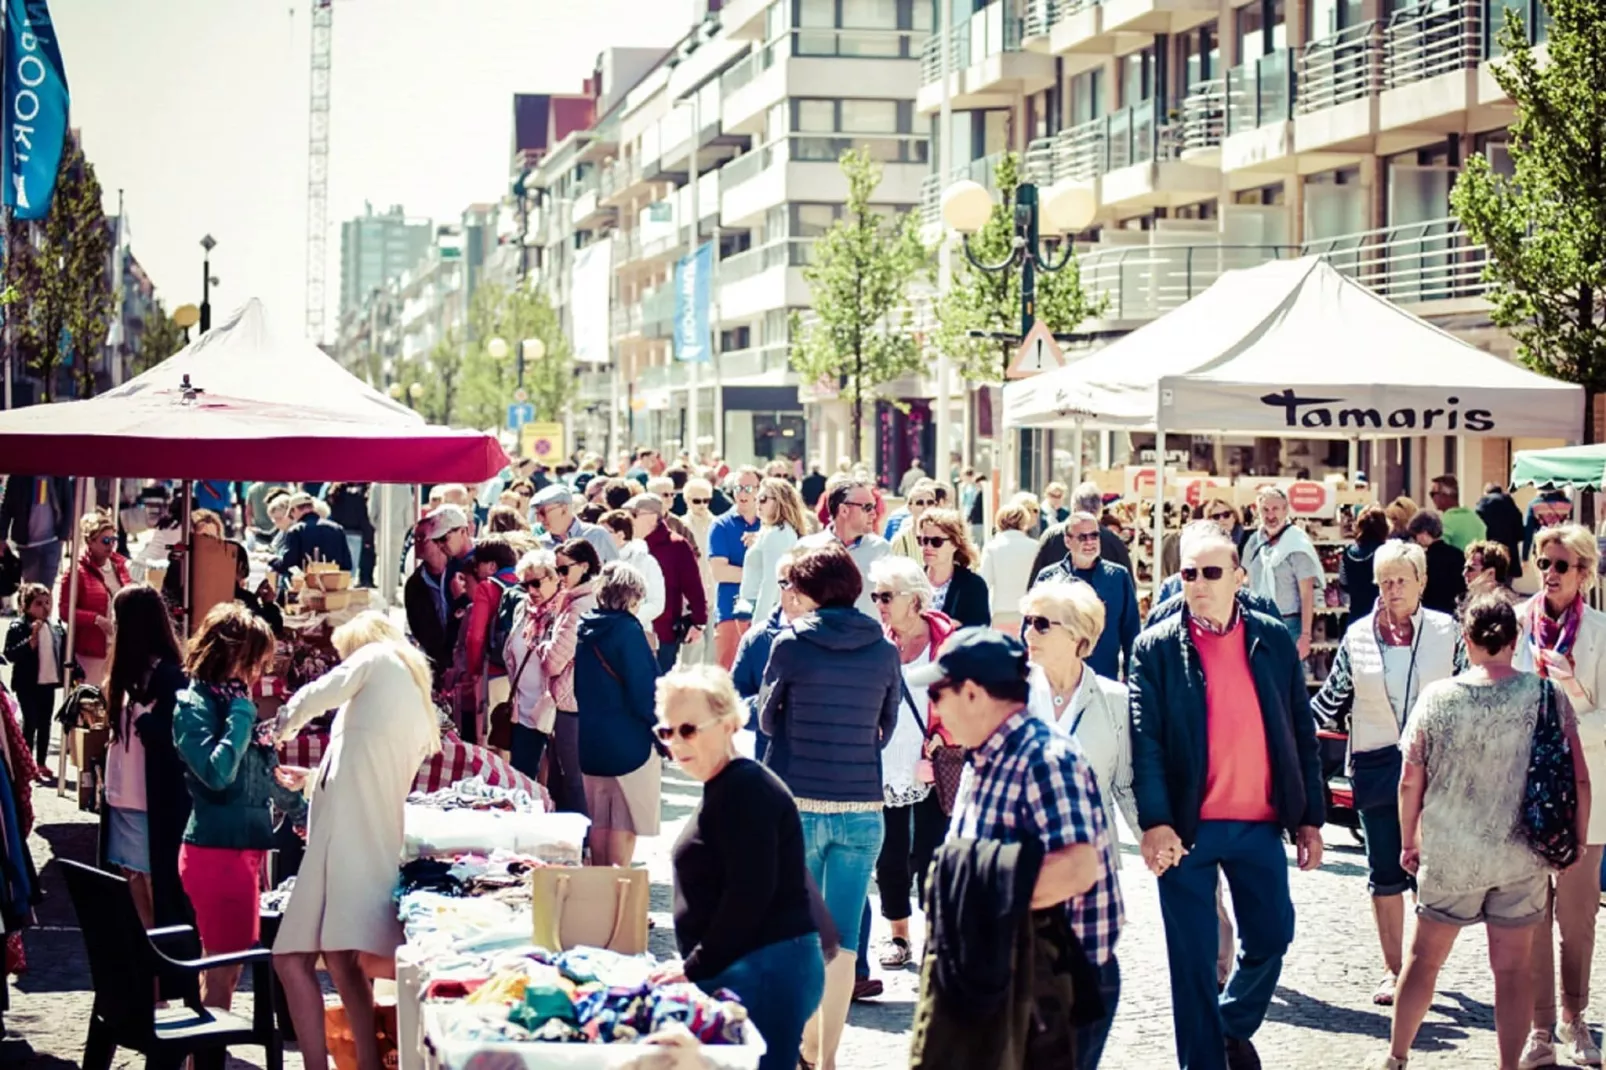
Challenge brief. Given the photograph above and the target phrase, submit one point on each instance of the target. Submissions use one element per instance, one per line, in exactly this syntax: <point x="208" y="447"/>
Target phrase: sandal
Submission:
<point x="1383" y="996"/>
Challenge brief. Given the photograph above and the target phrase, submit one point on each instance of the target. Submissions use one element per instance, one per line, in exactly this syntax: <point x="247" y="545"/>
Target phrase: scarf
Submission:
<point x="1548" y="634"/>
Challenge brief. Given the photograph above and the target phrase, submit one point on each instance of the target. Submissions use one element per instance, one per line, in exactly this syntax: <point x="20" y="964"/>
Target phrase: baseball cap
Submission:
<point x="645" y="503"/>
<point x="444" y="519"/>
<point x="984" y="655"/>
<point x="553" y="494"/>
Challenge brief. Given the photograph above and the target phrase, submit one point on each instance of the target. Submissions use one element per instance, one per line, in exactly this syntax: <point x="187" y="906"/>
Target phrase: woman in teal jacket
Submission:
<point x="233" y="774"/>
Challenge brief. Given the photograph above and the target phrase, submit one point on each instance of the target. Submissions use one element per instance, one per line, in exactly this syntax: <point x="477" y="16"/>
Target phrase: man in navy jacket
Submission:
<point x="1114" y="587"/>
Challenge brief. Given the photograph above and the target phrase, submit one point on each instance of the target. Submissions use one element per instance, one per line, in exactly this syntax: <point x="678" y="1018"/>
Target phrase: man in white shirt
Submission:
<point x="851" y="506"/>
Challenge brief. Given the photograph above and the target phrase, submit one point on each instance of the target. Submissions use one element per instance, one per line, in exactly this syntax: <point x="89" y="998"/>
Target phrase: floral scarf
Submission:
<point x="1548" y="634"/>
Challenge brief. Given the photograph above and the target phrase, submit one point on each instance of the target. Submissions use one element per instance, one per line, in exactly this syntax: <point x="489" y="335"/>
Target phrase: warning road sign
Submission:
<point x="1038" y="353"/>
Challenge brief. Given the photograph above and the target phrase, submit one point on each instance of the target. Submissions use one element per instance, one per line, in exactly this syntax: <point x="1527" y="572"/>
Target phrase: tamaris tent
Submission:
<point x="244" y="402"/>
<point x="1293" y="347"/>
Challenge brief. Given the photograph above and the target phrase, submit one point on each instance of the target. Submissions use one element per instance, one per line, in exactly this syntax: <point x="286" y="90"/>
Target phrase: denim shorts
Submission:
<point x="840" y="851"/>
<point x="128" y="840"/>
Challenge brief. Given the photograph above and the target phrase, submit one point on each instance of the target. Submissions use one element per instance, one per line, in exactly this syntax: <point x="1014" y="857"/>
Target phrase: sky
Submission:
<point x="197" y="111"/>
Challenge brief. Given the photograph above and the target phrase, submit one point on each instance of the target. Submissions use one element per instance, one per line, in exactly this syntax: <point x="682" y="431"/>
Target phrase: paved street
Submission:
<point x="1322" y="1016"/>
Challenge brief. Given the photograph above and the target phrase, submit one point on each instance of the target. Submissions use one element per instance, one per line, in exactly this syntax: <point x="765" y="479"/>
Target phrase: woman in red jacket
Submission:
<point x="102" y="572"/>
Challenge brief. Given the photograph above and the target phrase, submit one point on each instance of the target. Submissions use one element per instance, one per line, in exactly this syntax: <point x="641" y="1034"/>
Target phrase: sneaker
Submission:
<point x="1578" y="1043"/>
<point x="1241" y="1055"/>
<point x="1538" y="1052"/>
<point x="895" y="954"/>
<point x="869" y="988"/>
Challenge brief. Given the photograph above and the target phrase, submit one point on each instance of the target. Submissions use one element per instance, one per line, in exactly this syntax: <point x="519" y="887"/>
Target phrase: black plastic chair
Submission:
<point x="126" y="964"/>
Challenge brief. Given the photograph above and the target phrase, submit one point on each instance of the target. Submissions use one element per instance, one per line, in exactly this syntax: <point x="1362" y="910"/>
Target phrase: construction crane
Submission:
<point x="323" y="28"/>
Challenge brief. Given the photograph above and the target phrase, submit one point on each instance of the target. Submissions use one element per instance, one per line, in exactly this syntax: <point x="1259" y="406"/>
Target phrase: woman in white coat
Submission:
<point x="1564" y="640"/>
<point x="341" y="907"/>
<point x="1006" y="563"/>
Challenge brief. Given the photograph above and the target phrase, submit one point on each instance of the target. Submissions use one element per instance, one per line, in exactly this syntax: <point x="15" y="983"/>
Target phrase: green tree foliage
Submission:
<point x="515" y="316"/>
<point x="59" y="268"/>
<point x="159" y="339"/>
<point x="990" y="301"/>
<point x="1545" y="225"/>
<point x="859" y="337"/>
<point x="442" y="374"/>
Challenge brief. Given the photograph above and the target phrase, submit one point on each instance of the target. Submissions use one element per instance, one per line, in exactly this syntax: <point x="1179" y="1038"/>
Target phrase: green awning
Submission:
<point x="1567" y="466"/>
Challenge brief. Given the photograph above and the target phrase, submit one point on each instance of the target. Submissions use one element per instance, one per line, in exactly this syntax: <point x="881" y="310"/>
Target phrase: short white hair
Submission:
<point x="1271" y="492"/>
<point x="1396" y="551"/>
<point x="711" y="683"/>
<point x="904" y="577"/>
<point x="1201" y="537"/>
<point x="544" y="561"/>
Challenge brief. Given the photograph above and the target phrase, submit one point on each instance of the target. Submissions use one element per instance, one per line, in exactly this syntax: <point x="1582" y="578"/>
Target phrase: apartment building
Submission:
<point x="730" y="139"/>
<point x="376" y="247"/>
<point x="1218" y="134"/>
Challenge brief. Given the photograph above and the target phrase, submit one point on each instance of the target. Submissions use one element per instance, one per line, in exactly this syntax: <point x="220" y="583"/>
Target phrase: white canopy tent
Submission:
<point x="1293" y="347"/>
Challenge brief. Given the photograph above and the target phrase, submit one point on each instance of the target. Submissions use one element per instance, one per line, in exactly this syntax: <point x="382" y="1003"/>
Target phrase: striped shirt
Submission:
<point x="1031" y="781"/>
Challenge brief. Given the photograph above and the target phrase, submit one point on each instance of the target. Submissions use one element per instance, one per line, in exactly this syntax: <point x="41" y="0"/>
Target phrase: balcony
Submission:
<point x="1142" y="166"/>
<point x="619" y="179"/>
<point x="1411" y="264"/>
<point x="804" y="167"/>
<point x="1077" y="34"/>
<point x="1430" y="75"/>
<point x="626" y="247"/>
<point x="987" y="64"/>
<point x="1204" y="122"/>
<point x="743" y="20"/>
<point x="1142" y="282"/>
<point x="1038" y="26"/>
<point x="1149" y="17"/>
<point x="1337" y="79"/>
<point x="764" y="279"/>
<point x="594" y="386"/>
<point x="1260" y="107"/>
<point x="815" y="63"/>
<point x="658" y="312"/>
<point x="626" y="322"/>
<point x="588" y="211"/>
<point x="768" y="365"/>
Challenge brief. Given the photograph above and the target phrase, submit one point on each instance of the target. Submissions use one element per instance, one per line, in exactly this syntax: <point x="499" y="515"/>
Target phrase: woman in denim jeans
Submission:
<point x="743" y="913"/>
<point x="829" y="704"/>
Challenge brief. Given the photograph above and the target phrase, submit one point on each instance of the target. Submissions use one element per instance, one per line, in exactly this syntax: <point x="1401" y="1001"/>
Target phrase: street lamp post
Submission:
<point x="208" y="243"/>
<point x="1063" y="210"/>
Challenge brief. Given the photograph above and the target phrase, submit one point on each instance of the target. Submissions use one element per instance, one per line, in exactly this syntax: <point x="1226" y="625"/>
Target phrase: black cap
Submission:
<point x="984" y="655"/>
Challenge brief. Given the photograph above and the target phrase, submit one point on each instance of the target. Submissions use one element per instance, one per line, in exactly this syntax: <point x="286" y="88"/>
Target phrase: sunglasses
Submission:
<point x="535" y="585"/>
<point x="882" y="598"/>
<point x="923" y="503"/>
<point x="1219" y="516"/>
<point x="667" y="732"/>
<point x="698" y="501"/>
<point x="932" y="541"/>
<point x="1211" y="573"/>
<point x="785" y="585"/>
<point x="868" y="507"/>
<point x="1546" y="564"/>
<point x="746" y="488"/>
<point x="109" y="540"/>
<point x="1089" y="536"/>
<point x="564" y="566"/>
<point x="1040" y="625"/>
<point x="764" y="499"/>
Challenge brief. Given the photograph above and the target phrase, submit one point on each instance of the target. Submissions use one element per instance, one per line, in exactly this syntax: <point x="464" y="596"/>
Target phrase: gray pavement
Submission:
<point x="1322" y="1016"/>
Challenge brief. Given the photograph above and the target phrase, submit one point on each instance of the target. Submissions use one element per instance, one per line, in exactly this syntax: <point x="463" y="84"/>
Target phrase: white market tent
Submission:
<point x="1293" y="347"/>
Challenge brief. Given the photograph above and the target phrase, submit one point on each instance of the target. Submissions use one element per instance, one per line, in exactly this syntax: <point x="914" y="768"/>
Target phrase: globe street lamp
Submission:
<point x="395" y="391"/>
<point x="531" y="351"/>
<point x="415" y="393"/>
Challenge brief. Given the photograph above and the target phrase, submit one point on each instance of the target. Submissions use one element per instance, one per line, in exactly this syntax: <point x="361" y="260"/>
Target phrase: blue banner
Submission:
<point x="35" y="125"/>
<point x="694" y="285"/>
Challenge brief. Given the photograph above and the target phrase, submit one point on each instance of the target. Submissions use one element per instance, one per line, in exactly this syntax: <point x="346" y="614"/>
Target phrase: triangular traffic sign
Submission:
<point x="1038" y="353"/>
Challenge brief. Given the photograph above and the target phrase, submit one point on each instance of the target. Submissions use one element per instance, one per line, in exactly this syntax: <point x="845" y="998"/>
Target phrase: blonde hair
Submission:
<point x="539" y="560"/>
<point x="1576" y="540"/>
<point x="710" y="682"/>
<point x="1014" y="517"/>
<point x="1400" y="551"/>
<point x="370" y="628"/>
<point x="1074" y="604"/>
<point x="93" y="523"/>
<point x="792" y="512"/>
<point x="1399" y="511"/>
<point x="949" y="523"/>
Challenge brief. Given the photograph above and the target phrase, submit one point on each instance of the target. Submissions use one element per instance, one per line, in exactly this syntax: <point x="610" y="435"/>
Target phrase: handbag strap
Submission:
<point x="621" y="900"/>
<point x="910" y="699"/>
<point x="597" y="650"/>
<point x="514" y="686"/>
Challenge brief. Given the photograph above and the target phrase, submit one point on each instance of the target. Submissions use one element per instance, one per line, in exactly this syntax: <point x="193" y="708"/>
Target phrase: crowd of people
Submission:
<point x="969" y="726"/>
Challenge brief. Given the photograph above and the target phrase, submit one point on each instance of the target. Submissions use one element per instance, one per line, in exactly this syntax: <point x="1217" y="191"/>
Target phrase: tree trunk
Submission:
<point x="858" y="408"/>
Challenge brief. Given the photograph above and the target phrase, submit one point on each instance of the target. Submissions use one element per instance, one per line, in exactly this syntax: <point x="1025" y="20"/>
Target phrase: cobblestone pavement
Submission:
<point x="1322" y="1016"/>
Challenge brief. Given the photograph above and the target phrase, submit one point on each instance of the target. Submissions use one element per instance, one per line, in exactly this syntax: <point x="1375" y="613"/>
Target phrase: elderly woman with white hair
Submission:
<point x="534" y="712"/>
<point x="913" y="815"/>
<point x="1564" y="640"/>
<point x="1383" y="663"/>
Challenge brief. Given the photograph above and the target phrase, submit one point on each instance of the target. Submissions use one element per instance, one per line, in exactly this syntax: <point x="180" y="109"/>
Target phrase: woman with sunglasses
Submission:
<point x="905" y="537"/>
<point x="1564" y="640"/>
<point x="743" y="917"/>
<point x="536" y="588"/>
<point x="783" y="521"/>
<point x="1385" y="660"/>
<point x="578" y="564"/>
<point x="102" y="572"/>
<point x="949" y="557"/>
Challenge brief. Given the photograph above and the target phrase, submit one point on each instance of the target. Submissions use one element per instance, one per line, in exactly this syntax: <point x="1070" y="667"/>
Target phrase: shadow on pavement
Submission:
<point x="1296" y="1008"/>
<point x="15" y="1051"/>
<point x="884" y="1015"/>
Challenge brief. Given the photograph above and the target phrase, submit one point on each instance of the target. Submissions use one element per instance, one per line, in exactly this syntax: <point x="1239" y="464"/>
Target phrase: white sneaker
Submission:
<point x="1578" y="1043"/>
<point x="1539" y="1052"/>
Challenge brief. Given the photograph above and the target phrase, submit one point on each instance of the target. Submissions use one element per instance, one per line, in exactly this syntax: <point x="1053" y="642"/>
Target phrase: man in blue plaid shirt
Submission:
<point x="1028" y="781"/>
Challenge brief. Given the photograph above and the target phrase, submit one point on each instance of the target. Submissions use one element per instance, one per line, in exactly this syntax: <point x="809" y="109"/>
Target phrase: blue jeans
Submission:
<point x="667" y="653"/>
<point x="840" y="851"/>
<point x="1384" y="874"/>
<point x="1295" y="625"/>
<point x="1090" y="1038"/>
<point x="1251" y="854"/>
<point x="780" y="985"/>
<point x="525" y="753"/>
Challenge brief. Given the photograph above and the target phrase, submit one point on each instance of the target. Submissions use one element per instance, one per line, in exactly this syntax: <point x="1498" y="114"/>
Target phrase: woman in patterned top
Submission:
<point x="1467" y="746"/>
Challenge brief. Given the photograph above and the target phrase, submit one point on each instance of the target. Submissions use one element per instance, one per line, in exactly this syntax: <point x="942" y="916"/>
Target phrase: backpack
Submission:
<point x="502" y="624"/>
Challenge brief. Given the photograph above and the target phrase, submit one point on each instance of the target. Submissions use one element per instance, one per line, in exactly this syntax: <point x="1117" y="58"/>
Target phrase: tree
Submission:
<point x="159" y="339"/>
<point x="515" y="316"/>
<point x="1544" y="226"/>
<point x="59" y="269"/>
<point x="990" y="301"/>
<point x="859" y="336"/>
<point x="442" y="375"/>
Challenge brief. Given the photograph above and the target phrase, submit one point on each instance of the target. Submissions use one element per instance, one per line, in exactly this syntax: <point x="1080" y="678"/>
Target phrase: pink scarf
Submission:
<point x="1557" y="634"/>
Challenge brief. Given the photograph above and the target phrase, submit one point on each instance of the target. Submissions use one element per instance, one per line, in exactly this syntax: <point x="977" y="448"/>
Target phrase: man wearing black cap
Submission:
<point x="1026" y="780"/>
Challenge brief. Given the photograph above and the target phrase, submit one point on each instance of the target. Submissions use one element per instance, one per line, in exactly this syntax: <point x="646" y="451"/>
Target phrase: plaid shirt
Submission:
<point x="1029" y="780"/>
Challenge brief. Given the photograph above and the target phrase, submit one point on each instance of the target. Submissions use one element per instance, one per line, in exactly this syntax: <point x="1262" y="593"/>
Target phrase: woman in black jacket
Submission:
<point x="36" y="646"/>
<point x="829" y="704"/>
<point x="1355" y="567"/>
<point x="949" y="556"/>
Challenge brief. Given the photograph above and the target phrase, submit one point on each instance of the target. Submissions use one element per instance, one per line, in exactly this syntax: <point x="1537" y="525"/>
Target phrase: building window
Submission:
<point x="1203" y="51"/>
<point x="870" y="117"/>
<point x="814" y="116"/>
<point x="813" y="220"/>
<point x="1087" y="97"/>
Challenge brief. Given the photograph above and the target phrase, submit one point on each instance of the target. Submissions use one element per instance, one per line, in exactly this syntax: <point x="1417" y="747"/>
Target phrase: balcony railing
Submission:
<point x="1064" y="9"/>
<point x="1431" y="39"/>
<point x="1040" y="17"/>
<point x="1431" y="261"/>
<point x="984" y="171"/>
<point x="992" y="30"/>
<point x="626" y="320"/>
<point x="823" y="148"/>
<point x="626" y="246"/>
<point x="1144" y="281"/>
<point x="618" y="175"/>
<point x="788" y="252"/>
<point x="1338" y="69"/>
<point x="1204" y="116"/>
<point x="1260" y="92"/>
<point x="756" y="361"/>
<point x="1083" y="152"/>
<point x="658" y="312"/>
